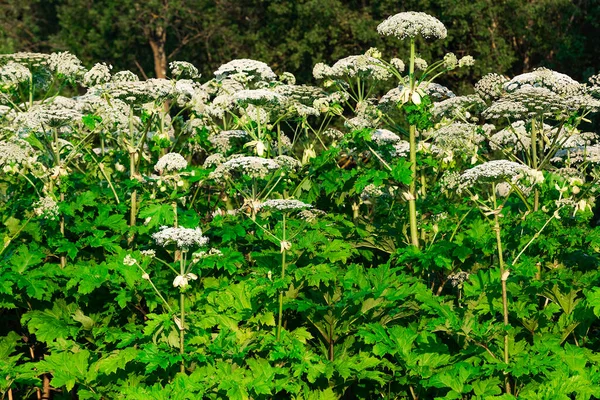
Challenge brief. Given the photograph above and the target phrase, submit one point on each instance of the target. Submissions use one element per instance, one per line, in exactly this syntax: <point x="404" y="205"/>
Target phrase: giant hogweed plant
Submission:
<point x="345" y="261"/>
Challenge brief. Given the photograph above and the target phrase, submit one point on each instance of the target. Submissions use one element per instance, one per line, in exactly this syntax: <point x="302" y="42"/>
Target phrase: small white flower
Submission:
<point x="145" y="276"/>
<point x="182" y="280"/>
<point x="285" y="245"/>
<point x="149" y="253"/>
<point x="178" y="323"/>
<point x="129" y="260"/>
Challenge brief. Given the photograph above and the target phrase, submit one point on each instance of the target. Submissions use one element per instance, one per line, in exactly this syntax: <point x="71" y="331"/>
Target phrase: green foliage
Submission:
<point x="175" y="242"/>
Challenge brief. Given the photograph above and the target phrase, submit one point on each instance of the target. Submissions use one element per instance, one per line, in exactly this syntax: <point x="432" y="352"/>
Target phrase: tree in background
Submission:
<point x="508" y="36"/>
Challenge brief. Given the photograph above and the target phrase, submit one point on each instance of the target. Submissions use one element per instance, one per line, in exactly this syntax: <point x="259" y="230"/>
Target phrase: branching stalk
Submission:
<point x="283" y="253"/>
<point x="412" y="205"/>
<point x="503" y="276"/>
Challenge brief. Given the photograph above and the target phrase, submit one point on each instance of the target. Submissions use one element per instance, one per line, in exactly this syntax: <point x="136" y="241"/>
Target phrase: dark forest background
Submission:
<point x="505" y="36"/>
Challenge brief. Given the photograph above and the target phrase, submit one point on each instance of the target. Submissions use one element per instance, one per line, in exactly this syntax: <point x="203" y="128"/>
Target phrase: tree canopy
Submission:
<point x="508" y="36"/>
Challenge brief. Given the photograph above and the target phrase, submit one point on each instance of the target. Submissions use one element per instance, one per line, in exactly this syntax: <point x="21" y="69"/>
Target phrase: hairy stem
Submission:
<point x="534" y="162"/>
<point x="412" y="205"/>
<point x="503" y="276"/>
<point x="283" y="252"/>
<point x="182" y="316"/>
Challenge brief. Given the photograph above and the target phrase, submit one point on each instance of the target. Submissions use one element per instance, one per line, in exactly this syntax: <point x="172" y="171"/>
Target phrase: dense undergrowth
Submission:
<point x="247" y="237"/>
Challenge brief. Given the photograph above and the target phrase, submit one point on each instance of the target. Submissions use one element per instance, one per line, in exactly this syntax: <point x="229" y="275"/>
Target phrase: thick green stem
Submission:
<point x="182" y="317"/>
<point x="283" y="252"/>
<point x="503" y="276"/>
<point x="132" y="174"/>
<point x="133" y="210"/>
<point x="534" y="161"/>
<point x="63" y="258"/>
<point x="412" y="198"/>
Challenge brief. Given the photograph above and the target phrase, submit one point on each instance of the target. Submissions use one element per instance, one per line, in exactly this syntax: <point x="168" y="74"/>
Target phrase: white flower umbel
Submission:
<point x="499" y="171"/>
<point x="213" y="160"/>
<point x="361" y="66"/>
<point x="15" y="155"/>
<point x="283" y="205"/>
<point x="304" y="94"/>
<point x="466" y="61"/>
<point x="458" y="137"/>
<point x="412" y="24"/>
<point x="258" y="97"/>
<point x="514" y="137"/>
<point x="223" y="140"/>
<point x="384" y="136"/>
<point x="12" y="74"/>
<point x="99" y="74"/>
<point x="528" y="102"/>
<point x="46" y="208"/>
<point x="183" y="70"/>
<point x="138" y="92"/>
<point x="125" y="76"/>
<point x="65" y="64"/>
<point x="171" y="162"/>
<point x="254" y="167"/>
<point x="491" y="86"/>
<point x="545" y="78"/>
<point x="255" y="70"/>
<point x="464" y="108"/>
<point x="26" y="58"/>
<point x="288" y="163"/>
<point x="183" y="238"/>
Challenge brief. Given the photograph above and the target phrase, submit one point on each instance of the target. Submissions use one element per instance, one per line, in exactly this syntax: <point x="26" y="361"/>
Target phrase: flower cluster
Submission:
<point x="170" y="162"/>
<point x="514" y="137"/>
<point x="65" y="64"/>
<point x="498" y="171"/>
<point x="491" y="86"/>
<point x="283" y="205"/>
<point x="545" y="78"/>
<point x="46" y="207"/>
<point x="258" y="97"/>
<point x="528" y="102"/>
<point x="458" y="137"/>
<point x="254" y="70"/>
<point x="384" y="136"/>
<point x="183" y="70"/>
<point x="12" y="74"/>
<point x="98" y="75"/>
<point x="465" y="108"/>
<point x="412" y="24"/>
<point x="141" y="92"/>
<point x="15" y="154"/>
<point x="254" y="167"/>
<point x="223" y="140"/>
<point x="125" y="76"/>
<point x="183" y="238"/>
<point x="26" y="58"/>
<point x="362" y="66"/>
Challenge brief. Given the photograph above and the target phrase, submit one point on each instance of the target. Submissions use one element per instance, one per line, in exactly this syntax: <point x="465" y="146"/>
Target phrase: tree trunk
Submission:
<point x="157" y="39"/>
